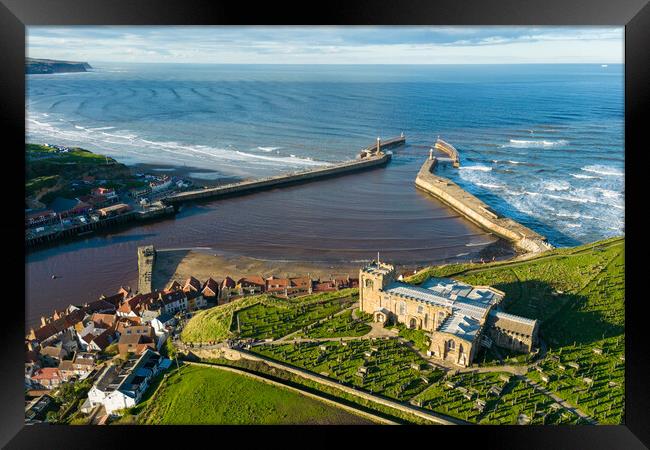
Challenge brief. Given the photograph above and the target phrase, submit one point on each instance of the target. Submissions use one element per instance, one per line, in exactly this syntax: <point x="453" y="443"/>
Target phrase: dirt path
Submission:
<point x="558" y="400"/>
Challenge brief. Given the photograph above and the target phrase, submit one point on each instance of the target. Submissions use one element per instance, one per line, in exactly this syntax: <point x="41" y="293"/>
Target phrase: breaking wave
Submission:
<point x="603" y="170"/>
<point x="521" y="143"/>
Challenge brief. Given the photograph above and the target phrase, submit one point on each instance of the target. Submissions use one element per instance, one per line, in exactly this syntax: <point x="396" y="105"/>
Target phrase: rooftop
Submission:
<point x="378" y="268"/>
<point x="469" y="305"/>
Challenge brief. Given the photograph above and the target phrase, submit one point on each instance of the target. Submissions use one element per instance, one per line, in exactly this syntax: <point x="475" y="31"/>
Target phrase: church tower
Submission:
<point x="373" y="279"/>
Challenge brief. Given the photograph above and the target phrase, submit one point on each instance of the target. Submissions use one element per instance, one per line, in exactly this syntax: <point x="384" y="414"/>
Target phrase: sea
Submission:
<point x="542" y="144"/>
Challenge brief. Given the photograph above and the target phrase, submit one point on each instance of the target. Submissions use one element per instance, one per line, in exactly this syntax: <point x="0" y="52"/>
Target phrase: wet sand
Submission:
<point x="181" y="264"/>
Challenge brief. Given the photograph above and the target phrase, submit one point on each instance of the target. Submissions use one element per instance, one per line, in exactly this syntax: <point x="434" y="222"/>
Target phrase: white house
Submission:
<point x="120" y="387"/>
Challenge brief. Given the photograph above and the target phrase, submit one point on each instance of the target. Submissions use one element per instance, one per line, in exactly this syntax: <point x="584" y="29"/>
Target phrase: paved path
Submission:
<point x="558" y="400"/>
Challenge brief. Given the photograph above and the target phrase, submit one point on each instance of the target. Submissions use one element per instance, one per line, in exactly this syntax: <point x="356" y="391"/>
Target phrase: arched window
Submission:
<point x="451" y="344"/>
<point x="460" y="348"/>
<point x="420" y="309"/>
<point x="426" y="320"/>
<point x="368" y="283"/>
<point x="402" y="308"/>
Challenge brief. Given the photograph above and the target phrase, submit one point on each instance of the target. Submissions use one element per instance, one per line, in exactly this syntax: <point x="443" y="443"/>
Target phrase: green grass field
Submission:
<point x="264" y="316"/>
<point x="264" y="321"/>
<point x="211" y="396"/>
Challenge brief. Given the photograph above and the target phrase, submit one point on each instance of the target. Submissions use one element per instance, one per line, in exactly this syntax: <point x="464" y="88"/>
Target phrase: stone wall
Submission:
<point x="478" y="212"/>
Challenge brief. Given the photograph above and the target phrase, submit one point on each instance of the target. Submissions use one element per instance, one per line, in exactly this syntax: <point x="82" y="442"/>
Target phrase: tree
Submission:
<point x="52" y="416"/>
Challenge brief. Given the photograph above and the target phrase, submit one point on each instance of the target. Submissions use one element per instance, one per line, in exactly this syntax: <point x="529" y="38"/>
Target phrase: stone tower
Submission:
<point x="373" y="278"/>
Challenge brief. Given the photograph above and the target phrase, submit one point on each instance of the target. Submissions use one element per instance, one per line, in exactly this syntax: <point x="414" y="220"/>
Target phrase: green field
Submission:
<point x="45" y="168"/>
<point x="392" y="369"/>
<point x="264" y="316"/>
<point x="211" y="396"/>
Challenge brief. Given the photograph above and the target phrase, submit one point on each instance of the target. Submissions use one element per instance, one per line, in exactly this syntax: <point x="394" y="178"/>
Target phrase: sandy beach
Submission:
<point x="179" y="265"/>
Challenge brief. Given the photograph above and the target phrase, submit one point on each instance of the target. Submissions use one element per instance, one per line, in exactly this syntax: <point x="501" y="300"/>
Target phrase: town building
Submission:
<point x="457" y="317"/>
<point x="210" y="291"/>
<point x="227" y="290"/>
<point x="251" y="285"/>
<point x="122" y="386"/>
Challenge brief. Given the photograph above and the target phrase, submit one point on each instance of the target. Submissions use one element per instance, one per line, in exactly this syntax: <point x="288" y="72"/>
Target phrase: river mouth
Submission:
<point x="332" y="225"/>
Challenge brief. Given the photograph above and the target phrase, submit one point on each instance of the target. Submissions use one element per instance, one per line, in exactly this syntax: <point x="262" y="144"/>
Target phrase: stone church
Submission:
<point x="458" y="317"/>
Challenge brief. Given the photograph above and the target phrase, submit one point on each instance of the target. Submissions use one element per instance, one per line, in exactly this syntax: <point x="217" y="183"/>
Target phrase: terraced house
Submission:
<point x="458" y="317"/>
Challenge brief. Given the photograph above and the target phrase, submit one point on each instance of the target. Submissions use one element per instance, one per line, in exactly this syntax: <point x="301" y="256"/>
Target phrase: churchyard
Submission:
<point x="341" y="325"/>
<point x="382" y="366"/>
<point x="493" y="398"/>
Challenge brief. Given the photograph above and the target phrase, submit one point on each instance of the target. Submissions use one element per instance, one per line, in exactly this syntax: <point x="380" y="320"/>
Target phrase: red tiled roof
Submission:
<point x="254" y="280"/>
<point x="59" y="325"/>
<point x="104" y="319"/>
<point x="47" y="373"/>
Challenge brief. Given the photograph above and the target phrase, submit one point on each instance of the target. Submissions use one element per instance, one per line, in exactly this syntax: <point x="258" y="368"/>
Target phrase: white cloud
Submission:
<point x="334" y="45"/>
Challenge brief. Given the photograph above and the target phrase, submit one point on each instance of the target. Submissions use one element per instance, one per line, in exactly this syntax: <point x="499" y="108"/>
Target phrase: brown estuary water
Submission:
<point x="346" y="219"/>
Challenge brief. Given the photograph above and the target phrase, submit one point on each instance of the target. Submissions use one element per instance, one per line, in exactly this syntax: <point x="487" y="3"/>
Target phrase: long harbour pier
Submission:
<point x="370" y="157"/>
<point x="474" y="209"/>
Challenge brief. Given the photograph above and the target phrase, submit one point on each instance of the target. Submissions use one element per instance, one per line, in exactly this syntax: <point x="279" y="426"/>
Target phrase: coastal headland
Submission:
<point x="34" y="66"/>
<point x="475" y="210"/>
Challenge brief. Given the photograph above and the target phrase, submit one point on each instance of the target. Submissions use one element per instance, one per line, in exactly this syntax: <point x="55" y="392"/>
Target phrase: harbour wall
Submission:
<point x="59" y="233"/>
<point x="247" y="187"/>
<point x="478" y="212"/>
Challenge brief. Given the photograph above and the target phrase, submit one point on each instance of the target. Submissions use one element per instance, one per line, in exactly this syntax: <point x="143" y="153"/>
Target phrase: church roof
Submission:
<point x="469" y="305"/>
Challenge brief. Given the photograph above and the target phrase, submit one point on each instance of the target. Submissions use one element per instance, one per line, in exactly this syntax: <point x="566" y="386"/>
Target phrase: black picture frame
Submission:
<point x="633" y="14"/>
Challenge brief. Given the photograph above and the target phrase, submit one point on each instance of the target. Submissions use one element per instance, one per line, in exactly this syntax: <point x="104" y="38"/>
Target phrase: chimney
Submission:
<point x="430" y="154"/>
<point x="378" y="144"/>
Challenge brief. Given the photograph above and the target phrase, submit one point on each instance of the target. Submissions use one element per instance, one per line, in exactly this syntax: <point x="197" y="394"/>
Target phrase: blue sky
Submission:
<point x="329" y="44"/>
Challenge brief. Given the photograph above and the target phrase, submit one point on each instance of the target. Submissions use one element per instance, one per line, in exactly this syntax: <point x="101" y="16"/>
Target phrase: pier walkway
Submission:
<point x="371" y="157"/>
<point x="476" y="211"/>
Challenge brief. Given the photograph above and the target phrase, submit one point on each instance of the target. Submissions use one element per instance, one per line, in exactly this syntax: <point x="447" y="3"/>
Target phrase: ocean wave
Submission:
<point x="479" y="168"/>
<point x="521" y="143"/>
<point x="101" y="128"/>
<point x="293" y="159"/>
<point x="603" y="170"/>
<point x="130" y="137"/>
<point x="583" y="177"/>
<point x="559" y="185"/>
<point x="573" y="225"/>
<point x="489" y="185"/>
<point x="41" y="124"/>
<point x="268" y="149"/>
<point x="575" y="216"/>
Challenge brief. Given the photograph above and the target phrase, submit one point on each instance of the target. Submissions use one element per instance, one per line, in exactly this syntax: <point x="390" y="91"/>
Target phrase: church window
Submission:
<point x="451" y="344"/>
<point x="402" y="308"/>
<point x="368" y="283"/>
<point x="420" y="309"/>
<point x="426" y="320"/>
